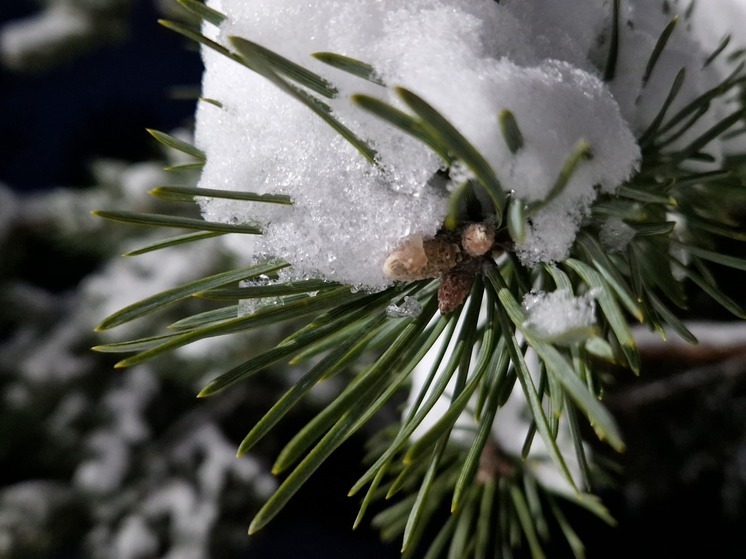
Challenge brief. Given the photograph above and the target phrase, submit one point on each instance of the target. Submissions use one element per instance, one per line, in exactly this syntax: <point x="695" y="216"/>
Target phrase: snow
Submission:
<point x="110" y="447"/>
<point x="680" y="233"/>
<point x="558" y="315"/>
<point x="686" y="49"/>
<point x="530" y="58"/>
<point x="540" y="60"/>
<point x="105" y="470"/>
<point x="218" y="462"/>
<point x="191" y="518"/>
<point x="127" y="404"/>
<point x="135" y="540"/>
<point x="27" y="509"/>
<point x="712" y="21"/>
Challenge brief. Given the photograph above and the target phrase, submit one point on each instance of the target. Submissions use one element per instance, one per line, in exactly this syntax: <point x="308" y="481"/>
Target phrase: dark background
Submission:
<point x="54" y="122"/>
<point x="677" y="496"/>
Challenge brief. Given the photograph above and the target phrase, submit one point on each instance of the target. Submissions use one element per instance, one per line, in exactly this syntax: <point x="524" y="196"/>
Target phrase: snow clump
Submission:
<point x="558" y="315"/>
<point x="541" y="60"/>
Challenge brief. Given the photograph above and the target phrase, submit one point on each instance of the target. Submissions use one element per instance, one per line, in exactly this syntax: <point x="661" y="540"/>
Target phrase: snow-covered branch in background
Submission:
<point x="61" y="30"/>
<point x="130" y="467"/>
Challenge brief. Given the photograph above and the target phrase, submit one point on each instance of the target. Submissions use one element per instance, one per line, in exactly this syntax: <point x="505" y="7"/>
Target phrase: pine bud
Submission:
<point x="478" y="238"/>
<point x="455" y="286"/>
<point x="417" y="258"/>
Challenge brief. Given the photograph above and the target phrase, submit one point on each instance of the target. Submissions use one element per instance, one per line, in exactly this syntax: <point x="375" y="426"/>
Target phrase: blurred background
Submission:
<point x="127" y="464"/>
<point x="72" y="94"/>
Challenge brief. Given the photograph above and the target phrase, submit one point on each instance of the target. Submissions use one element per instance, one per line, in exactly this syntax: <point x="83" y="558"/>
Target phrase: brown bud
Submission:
<point x="455" y="286"/>
<point x="417" y="258"/>
<point x="478" y="238"/>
